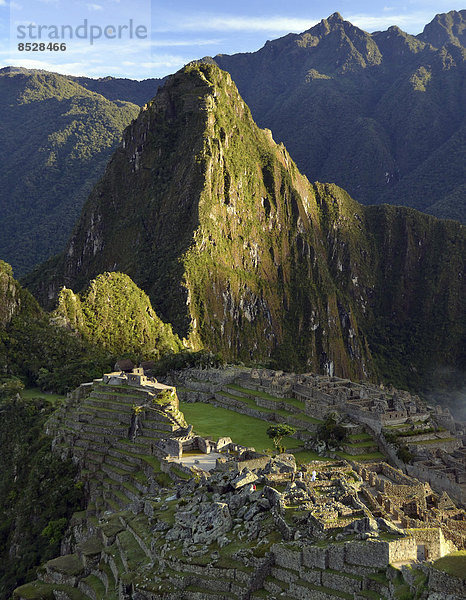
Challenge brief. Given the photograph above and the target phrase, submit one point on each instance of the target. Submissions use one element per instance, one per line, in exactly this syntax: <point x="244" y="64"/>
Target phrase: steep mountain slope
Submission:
<point x="83" y="337"/>
<point x="38" y="493"/>
<point x="35" y="349"/>
<point x="238" y="250"/>
<point x="116" y="315"/>
<point x="380" y="114"/>
<point x="56" y="138"/>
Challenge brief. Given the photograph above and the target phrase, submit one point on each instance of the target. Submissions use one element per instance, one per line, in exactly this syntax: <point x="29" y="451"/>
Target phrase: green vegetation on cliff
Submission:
<point x="38" y="351"/>
<point x="55" y="140"/>
<point x="83" y="338"/>
<point x="114" y="314"/>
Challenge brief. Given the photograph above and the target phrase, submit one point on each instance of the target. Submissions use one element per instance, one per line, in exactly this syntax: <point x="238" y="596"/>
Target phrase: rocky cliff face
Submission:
<point x="446" y="28"/>
<point x="242" y="254"/>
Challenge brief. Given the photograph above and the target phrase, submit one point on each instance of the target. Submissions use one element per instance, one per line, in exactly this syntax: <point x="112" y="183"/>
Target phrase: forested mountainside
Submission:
<point x="242" y="254"/>
<point x="38" y="491"/>
<point x="116" y="88"/>
<point x="57" y="136"/>
<point x="380" y="114"/>
<point x="82" y="338"/>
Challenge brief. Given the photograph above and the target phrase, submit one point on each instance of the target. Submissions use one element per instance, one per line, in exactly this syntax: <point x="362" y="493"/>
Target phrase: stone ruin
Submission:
<point x="253" y="526"/>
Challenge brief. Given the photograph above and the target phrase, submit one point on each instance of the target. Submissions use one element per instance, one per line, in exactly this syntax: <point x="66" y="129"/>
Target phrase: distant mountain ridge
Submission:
<point x="380" y="114"/>
<point x="235" y="248"/>
<point x="56" y="137"/>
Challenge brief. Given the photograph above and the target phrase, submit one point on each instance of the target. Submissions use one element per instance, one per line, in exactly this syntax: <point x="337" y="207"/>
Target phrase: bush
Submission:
<point x="330" y="431"/>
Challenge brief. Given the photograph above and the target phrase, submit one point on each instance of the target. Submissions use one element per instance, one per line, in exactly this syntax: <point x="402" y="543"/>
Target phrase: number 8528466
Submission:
<point x="41" y="47"/>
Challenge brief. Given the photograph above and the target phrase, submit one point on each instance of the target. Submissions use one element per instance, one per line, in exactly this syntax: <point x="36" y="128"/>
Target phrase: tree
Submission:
<point x="332" y="432"/>
<point x="278" y="432"/>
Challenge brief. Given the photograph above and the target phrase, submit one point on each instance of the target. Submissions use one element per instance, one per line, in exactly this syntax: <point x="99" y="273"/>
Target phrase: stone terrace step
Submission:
<point x="132" y="457"/>
<point x="93" y="587"/>
<point x="116" y="473"/>
<point x="133" y="397"/>
<point x="120" y="462"/>
<point x="104" y="573"/>
<point x="131" y="553"/>
<point x="37" y="590"/>
<point x="193" y="592"/>
<point x="111" y="504"/>
<point x="219" y="585"/>
<point x="149" y="428"/>
<point x="106" y="430"/>
<point x="126" y="445"/>
<point x="302" y="589"/>
<point x="108" y="415"/>
<point x="118" y="497"/>
<point x="144" y="544"/>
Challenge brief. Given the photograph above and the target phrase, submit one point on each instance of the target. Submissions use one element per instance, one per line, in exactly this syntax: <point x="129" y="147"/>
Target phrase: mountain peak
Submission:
<point x="335" y="18"/>
<point x="446" y="28"/>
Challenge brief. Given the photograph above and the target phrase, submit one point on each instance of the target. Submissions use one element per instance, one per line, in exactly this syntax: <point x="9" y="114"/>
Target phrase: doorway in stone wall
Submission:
<point x="421" y="552"/>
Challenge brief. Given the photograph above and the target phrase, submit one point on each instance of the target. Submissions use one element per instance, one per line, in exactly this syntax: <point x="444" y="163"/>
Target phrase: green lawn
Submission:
<point x="35" y="392"/>
<point x="453" y="564"/>
<point x="218" y="422"/>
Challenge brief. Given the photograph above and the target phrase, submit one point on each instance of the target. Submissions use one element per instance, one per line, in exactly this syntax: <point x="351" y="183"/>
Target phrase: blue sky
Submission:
<point x="172" y="33"/>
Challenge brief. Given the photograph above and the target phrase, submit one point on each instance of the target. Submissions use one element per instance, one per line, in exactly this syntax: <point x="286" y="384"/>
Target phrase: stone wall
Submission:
<point x="446" y="584"/>
<point x="368" y="553"/>
<point x="448" y="445"/>
<point x="435" y="544"/>
<point x="438" y="480"/>
<point x="363" y="416"/>
<point x="402" y="550"/>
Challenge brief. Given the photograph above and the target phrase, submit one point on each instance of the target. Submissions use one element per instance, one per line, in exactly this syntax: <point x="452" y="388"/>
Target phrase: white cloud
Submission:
<point x="238" y="23"/>
<point x="95" y="7"/>
<point x="411" y="22"/>
<point x="68" y="68"/>
<point x="165" y="60"/>
<point x="187" y="42"/>
<point x="3" y="3"/>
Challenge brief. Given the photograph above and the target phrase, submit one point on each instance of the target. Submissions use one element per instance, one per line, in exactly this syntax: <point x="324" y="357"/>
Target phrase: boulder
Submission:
<point x="245" y="478"/>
